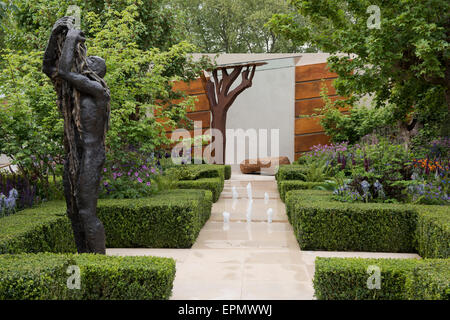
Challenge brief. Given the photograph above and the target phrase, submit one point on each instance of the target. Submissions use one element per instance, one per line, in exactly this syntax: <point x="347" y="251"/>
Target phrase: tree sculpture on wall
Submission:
<point x="84" y="101"/>
<point x="221" y="98"/>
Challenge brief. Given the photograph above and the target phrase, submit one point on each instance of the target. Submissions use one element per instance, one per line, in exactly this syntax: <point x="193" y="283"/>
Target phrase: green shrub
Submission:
<point x="321" y="224"/>
<point x="215" y="185"/>
<point x="430" y="280"/>
<point x="45" y="228"/>
<point x="346" y="278"/>
<point x="433" y="232"/>
<point x="293" y="196"/>
<point x="44" y="276"/>
<point x="169" y="220"/>
<point x="401" y="279"/>
<point x="227" y="172"/>
<point x="291" y="172"/>
<point x="33" y="276"/>
<point x="125" y="278"/>
<point x="198" y="171"/>
<point x="285" y="186"/>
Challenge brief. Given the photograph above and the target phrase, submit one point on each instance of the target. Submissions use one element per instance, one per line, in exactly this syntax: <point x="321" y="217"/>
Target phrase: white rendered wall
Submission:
<point x="268" y="104"/>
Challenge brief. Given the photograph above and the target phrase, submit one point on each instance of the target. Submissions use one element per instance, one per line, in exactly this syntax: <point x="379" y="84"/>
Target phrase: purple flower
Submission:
<point x="136" y="174"/>
<point x="148" y="184"/>
<point x="140" y="180"/>
<point x="153" y="170"/>
<point x="104" y="170"/>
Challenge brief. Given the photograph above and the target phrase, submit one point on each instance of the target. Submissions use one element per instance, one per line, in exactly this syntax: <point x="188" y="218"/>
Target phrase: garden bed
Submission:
<point x="169" y="220"/>
<point x="323" y="224"/>
<point x="44" y="276"/>
<point x="401" y="279"/>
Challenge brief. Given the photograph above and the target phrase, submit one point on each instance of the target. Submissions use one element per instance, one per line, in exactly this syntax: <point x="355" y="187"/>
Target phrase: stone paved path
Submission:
<point x="246" y="260"/>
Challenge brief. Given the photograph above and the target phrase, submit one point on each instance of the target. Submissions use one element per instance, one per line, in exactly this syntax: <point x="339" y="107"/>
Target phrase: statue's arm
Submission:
<point x="49" y="64"/>
<point x="79" y="81"/>
<point x="50" y="55"/>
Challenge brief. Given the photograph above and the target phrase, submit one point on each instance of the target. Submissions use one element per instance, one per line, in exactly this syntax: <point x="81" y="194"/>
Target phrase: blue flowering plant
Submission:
<point x="8" y="204"/>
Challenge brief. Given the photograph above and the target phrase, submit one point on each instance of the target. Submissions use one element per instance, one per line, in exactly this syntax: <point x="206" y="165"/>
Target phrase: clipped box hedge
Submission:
<point x="430" y="280"/>
<point x="227" y="173"/>
<point x="202" y="176"/>
<point x="168" y="220"/>
<point x="433" y="231"/>
<point x="215" y="185"/>
<point x="45" y="228"/>
<point x="291" y="172"/>
<point x="401" y="279"/>
<point x="320" y="223"/>
<point x="44" y="276"/>
<point x="285" y="186"/>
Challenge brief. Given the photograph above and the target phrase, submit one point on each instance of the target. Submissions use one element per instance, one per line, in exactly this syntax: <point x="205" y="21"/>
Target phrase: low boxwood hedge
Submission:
<point x="168" y="220"/>
<point x="45" y="276"/>
<point x="227" y="172"/>
<point x="433" y="231"/>
<point x="215" y="185"/>
<point x="347" y="279"/>
<point x="285" y="186"/>
<point x="323" y="224"/>
<point x="45" y="228"/>
<point x="291" y="172"/>
<point x="430" y="280"/>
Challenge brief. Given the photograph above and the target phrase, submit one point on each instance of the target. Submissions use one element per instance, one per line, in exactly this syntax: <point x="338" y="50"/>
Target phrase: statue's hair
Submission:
<point x="69" y="105"/>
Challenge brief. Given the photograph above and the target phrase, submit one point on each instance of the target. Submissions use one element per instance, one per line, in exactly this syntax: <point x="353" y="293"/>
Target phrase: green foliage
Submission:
<point x="354" y="125"/>
<point x="232" y="26"/>
<point x="28" y="27"/>
<point x="404" y="63"/>
<point x="327" y="225"/>
<point x="430" y="280"/>
<point x="33" y="276"/>
<point x="291" y="172"/>
<point x="204" y="176"/>
<point x="287" y="185"/>
<point x="215" y="185"/>
<point x="139" y="80"/>
<point x="323" y="224"/>
<point x="227" y="172"/>
<point x="44" y="276"/>
<point x="169" y="220"/>
<point x="30" y="125"/>
<point x="401" y="279"/>
<point x="433" y="232"/>
<point x="45" y="228"/>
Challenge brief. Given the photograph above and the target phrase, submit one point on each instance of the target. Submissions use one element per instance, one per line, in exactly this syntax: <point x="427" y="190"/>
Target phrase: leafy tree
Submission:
<point x="141" y="96"/>
<point x="28" y="28"/>
<point x="232" y="26"/>
<point x="404" y="64"/>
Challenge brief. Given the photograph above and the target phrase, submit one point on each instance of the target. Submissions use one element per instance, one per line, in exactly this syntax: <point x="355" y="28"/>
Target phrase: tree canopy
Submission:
<point x="232" y="26"/>
<point x="404" y="63"/>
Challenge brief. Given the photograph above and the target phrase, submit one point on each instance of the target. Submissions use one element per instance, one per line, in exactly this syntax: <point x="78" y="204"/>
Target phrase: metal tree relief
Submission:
<point x="220" y="95"/>
<point x="84" y="102"/>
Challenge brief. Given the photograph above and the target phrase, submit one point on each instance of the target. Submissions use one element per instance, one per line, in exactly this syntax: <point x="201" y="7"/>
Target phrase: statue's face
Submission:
<point x="97" y="65"/>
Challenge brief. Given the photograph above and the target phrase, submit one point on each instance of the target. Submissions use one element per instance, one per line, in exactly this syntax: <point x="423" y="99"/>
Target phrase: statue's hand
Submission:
<point x="76" y="34"/>
<point x="62" y="24"/>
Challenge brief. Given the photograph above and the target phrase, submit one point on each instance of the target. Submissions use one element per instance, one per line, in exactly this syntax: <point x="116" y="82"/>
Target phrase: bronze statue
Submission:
<point x="84" y="101"/>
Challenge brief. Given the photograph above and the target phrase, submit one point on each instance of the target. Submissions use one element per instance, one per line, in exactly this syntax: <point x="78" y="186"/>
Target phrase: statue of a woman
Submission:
<point x="84" y="101"/>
